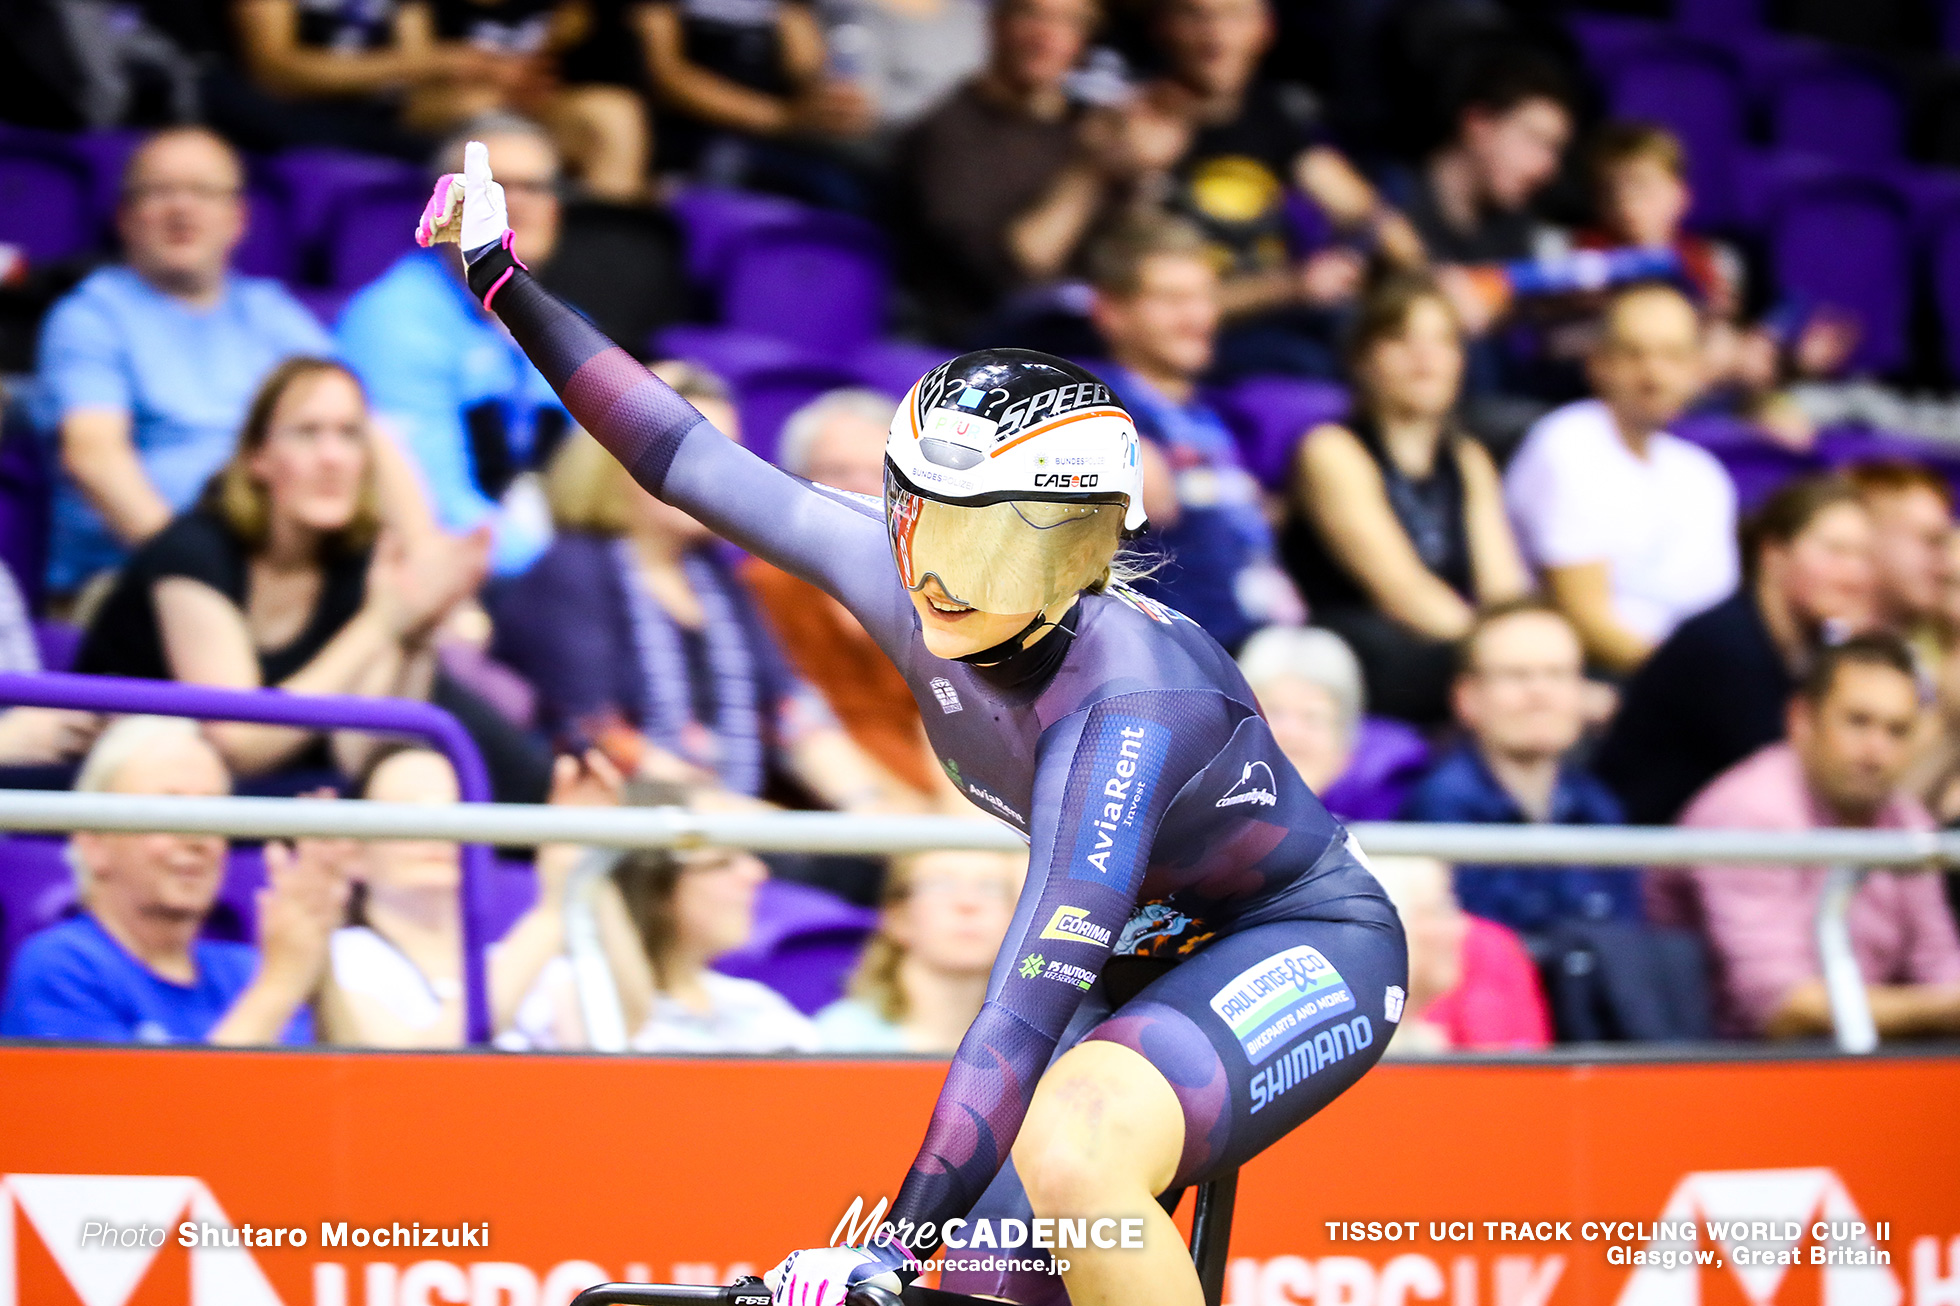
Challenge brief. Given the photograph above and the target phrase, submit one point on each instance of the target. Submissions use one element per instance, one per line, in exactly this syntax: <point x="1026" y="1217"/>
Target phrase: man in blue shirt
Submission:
<point x="1520" y="697"/>
<point x="1157" y="308"/>
<point x="146" y="369"/>
<point x="131" y="967"/>
<point x="467" y="405"/>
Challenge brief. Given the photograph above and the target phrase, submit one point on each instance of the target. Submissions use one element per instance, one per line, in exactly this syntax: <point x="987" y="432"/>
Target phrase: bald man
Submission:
<point x="1631" y="528"/>
<point x="148" y="367"/>
<point x="132" y="967"/>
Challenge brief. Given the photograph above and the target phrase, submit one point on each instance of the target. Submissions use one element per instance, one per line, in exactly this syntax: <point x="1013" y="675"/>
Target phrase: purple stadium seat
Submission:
<point x="25" y="495"/>
<point x="1718" y="18"/>
<point x="1760" y="468"/>
<point x="804" y="943"/>
<point x="1389" y="757"/>
<point x="508" y="892"/>
<point x="315" y="181"/>
<point x="819" y="282"/>
<point x="1269" y="414"/>
<point x="372" y="225"/>
<point x="1604" y="38"/>
<point x="57" y="642"/>
<point x="106" y="155"/>
<point x="767" y="396"/>
<point x="1842" y="110"/>
<point x="36" y="887"/>
<point x="1695" y="89"/>
<point x="712" y="219"/>
<point x="1846" y="242"/>
<point x="324" y="303"/>
<point x="729" y="352"/>
<point x="1843" y="446"/>
<point x="771" y="378"/>
<point x="268" y="249"/>
<point x="891" y="366"/>
<point x="47" y="199"/>
<point x="1945" y="268"/>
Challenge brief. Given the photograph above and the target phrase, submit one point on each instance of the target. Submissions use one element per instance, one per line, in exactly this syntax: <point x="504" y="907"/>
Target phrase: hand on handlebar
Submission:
<point x="826" y="1276"/>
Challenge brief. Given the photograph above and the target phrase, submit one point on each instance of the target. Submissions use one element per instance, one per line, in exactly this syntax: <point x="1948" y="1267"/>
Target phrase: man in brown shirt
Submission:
<point x="1001" y="182"/>
<point x="838" y="439"/>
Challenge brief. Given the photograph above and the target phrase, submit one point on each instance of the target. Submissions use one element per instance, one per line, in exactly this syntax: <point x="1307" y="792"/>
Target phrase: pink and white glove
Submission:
<point x="824" y="1276"/>
<point x="466" y="209"/>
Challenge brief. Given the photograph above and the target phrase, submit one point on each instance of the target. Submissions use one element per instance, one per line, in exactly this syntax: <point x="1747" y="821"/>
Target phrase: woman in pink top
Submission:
<point x="1472" y="986"/>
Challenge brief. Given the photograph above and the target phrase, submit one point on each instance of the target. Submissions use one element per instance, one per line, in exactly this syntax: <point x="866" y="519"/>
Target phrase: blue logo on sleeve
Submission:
<point x="1127" y="757"/>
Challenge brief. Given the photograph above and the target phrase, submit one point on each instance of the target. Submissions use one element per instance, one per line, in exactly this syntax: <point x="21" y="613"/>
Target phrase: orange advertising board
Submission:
<point x="520" y="1179"/>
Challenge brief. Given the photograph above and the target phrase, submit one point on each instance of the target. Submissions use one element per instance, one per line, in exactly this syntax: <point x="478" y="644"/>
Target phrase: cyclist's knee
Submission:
<point x="1103" y="1124"/>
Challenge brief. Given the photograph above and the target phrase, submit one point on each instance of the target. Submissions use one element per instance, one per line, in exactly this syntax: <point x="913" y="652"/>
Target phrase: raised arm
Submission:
<point x="834" y="541"/>
<point x="1104" y="779"/>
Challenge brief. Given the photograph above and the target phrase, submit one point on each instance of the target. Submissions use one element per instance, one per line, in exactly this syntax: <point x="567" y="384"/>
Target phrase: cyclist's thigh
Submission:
<point x="1264" y="1028"/>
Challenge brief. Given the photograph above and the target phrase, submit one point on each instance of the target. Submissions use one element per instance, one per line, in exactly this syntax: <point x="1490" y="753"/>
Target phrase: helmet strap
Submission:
<point x="1015" y="661"/>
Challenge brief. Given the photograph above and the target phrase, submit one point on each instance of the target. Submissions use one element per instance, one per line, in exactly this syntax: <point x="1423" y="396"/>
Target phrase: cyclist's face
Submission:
<point x="953" y="630"/>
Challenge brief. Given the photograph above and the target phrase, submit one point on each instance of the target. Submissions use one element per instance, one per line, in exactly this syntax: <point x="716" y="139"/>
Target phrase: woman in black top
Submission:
<point x="1397" y="530"/>
<point x="276" y="577"/>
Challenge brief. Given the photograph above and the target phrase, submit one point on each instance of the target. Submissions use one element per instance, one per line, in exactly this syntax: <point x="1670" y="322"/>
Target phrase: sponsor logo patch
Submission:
<point x="1036" y="966"/>
<point x="1124" y="763"/>
<point x="1073" y="923"/>
<point x="949" y="697"/>
<point x="1274" y="1002"/>
<point x="1337" y="1042"/>
<point x="1255" y="785"/>
<point x="1392" y="1000"/>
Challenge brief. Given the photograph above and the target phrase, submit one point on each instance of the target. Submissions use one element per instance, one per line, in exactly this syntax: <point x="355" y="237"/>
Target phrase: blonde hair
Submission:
<point x="874" y="980"/>
<point x="243" y="501"/>
<point x="586" y="487"/>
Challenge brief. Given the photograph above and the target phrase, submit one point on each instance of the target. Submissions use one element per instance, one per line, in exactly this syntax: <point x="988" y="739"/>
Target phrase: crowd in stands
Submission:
<point x="1488" y="442"/>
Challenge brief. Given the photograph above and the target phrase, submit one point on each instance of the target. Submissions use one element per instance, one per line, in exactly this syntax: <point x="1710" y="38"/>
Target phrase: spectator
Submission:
<point x="1911" y="509"/>
<point x="469" y="407"/>
<point x="663" y="916"/>
<point x="1639" y="173"/>
<point x="1632" y="527"/>
<point x="1520" y="699"/>
<point x="373" y="77"/>
<point x="1851" y="726"/>
<point x="924" y="973"/>
<point x="1716" y="690"/>
<point x="907" y="55"/>
<point x="1156" y="307"/>
<point x="1000" y="185"/>
<point x="1472" y="985"/>
<point x="275" y="579"/>
<point x="147" y="366"/>
<point x="1397" y="530"/>
<point x="750" y="97"/>
<point x="838" y="439"/>
<point x="1471" y="201"/>
<point x="396" y="969"/>
<point x="33" y="736"/>
<point x="132" y="967"/>
<point x="640" y="639"/>
<point x="1309" y="688"/>
<point x="1255" y="146"/>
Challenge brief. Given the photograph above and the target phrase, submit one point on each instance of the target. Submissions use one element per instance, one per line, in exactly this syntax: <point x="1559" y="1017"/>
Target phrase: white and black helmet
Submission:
<point x="1010" y="477"/>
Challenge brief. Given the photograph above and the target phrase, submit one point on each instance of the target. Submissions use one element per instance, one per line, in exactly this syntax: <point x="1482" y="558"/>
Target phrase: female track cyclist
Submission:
<point x="1200" y="959"/>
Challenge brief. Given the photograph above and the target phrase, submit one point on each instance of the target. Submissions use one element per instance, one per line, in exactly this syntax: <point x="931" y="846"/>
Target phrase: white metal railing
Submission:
<point x="1848" y="853"/>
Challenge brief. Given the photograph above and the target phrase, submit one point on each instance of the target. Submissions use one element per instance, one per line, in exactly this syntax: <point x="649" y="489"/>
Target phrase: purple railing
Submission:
<point x="391" y="716"/>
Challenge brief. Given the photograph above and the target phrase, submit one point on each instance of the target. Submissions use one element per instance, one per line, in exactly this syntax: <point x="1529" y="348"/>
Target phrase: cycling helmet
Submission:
<point x="1010" y="478"/>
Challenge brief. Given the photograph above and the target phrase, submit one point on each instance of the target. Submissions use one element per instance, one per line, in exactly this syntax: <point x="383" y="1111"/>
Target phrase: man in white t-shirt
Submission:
<point x="1632" y="528"/>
